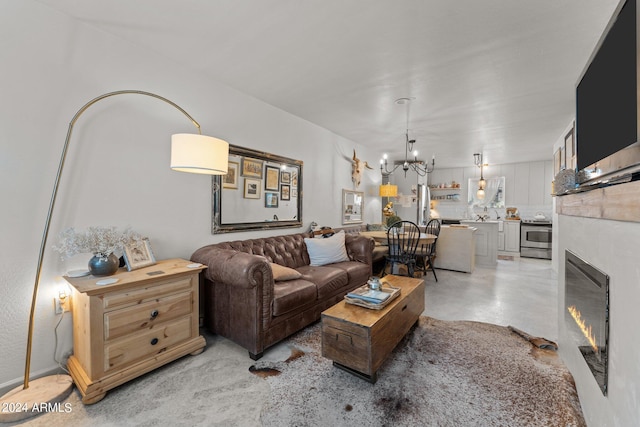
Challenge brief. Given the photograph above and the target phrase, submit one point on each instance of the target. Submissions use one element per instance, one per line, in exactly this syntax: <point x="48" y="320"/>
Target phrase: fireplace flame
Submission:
<point x="586" y="330"/>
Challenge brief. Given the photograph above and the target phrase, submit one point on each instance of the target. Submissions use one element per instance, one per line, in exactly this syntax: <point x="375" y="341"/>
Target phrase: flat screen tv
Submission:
<point x="607" y="104"/>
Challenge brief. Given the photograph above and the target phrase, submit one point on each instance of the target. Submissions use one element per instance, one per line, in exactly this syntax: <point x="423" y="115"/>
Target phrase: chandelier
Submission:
<point x="418" y="166"/>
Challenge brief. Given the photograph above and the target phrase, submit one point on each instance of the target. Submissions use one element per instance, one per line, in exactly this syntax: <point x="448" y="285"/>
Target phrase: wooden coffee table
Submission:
<point x="359" y="339"/>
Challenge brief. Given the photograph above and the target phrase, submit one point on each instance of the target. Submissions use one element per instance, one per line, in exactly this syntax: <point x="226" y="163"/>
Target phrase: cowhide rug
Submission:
<point x="443" y="373"/>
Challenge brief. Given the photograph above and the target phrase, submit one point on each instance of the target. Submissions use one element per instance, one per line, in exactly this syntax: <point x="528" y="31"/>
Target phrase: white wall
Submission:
<point x="117" y="169"/>
<point x="611" y="246"/>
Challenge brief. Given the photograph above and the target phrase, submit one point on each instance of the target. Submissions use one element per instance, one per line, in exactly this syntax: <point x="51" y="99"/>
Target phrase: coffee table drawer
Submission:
<point x="346" y="348"/>
<point x="389" y="331"/>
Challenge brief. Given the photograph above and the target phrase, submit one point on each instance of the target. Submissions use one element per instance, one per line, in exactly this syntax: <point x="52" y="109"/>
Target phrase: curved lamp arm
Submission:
<point x="210" y="158"/>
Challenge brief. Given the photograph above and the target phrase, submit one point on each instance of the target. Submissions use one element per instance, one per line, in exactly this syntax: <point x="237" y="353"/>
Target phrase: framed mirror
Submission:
<point x="494" y="193"/>
<point x="260" y="191"/>
<point x="352" y="206"/>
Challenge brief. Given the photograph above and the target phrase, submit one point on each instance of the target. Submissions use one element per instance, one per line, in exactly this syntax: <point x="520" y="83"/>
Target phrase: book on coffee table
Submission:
<point x="369" y="295"/>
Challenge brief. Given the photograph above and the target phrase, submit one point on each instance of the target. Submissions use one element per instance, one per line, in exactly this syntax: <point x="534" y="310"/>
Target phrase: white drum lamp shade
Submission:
<point x="199" y="154"/>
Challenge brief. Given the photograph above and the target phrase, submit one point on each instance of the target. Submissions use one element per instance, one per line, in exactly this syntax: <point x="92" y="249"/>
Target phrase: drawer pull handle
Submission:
<point x="404" y="308"/>
<point x="345" y="337"/>
<point x="154" y="341"/>
<point x="154" y="314"/>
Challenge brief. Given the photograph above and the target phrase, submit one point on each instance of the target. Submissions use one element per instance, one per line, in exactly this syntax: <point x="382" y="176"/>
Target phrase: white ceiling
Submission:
<point x="491" y="76"/>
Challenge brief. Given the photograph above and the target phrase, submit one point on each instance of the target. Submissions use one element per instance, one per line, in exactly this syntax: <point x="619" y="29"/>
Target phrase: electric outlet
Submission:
<point x="61" y="305"/>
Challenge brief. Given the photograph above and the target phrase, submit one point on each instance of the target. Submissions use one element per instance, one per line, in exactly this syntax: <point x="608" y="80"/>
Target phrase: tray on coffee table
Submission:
<point x="386" y="287"/>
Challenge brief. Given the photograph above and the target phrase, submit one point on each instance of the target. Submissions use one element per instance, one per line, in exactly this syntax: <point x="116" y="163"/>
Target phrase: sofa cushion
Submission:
<point x="282" y="273"/>
<point x="357" y="272"/>
<point x="293" y="294"/>
<point x="328" y="279"/>
<point x="326" y="251"/>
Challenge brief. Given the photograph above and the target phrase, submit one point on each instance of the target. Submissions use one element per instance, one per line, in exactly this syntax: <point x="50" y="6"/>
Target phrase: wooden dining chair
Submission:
<point x="402" y="242"/>
<point x="427" y="252"/>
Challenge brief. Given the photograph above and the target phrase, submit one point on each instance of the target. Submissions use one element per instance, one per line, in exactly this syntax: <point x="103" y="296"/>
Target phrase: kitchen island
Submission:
<point x="486" y="239"/>
<point x="456" y="248"/>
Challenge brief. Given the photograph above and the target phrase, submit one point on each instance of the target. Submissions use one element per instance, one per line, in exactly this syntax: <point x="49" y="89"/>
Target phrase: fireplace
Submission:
<point x="587" y="314"/>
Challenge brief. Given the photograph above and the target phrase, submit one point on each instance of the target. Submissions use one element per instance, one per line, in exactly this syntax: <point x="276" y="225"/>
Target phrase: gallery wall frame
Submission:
<point x="272" y="177"/>
<point x="230" y="180"/>
<point x="252" y="168"/>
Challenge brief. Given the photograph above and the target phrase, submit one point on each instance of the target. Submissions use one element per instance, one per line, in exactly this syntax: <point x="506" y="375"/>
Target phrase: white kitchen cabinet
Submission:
<point x="501" y="236"/>
<point x="511" y="236"/>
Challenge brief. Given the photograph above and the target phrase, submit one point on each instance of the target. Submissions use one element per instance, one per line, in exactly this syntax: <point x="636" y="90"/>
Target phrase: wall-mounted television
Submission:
<point x="607" y="147"/>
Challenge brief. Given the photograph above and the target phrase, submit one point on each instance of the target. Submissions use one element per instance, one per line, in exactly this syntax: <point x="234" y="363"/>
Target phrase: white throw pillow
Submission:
<point x="327" y="251"/>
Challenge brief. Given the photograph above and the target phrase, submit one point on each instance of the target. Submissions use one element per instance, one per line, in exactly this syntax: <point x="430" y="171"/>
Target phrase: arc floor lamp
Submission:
<point x="189" y="153"/>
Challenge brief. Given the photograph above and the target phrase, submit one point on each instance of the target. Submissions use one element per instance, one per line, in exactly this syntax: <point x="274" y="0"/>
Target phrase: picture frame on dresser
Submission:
<point x="138" y="254"/>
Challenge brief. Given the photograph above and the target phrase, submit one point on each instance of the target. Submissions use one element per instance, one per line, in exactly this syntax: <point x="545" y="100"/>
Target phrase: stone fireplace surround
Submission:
<point x="612" y="246"/>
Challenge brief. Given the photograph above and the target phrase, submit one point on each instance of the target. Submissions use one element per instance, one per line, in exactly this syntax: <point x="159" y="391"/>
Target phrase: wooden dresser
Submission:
<point x="148" y="318"/>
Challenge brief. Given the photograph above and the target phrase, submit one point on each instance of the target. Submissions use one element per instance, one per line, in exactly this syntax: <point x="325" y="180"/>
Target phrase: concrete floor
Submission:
<point x="522" y="293"/>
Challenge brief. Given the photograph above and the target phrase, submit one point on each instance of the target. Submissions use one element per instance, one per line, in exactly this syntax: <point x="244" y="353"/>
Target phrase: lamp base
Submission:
<point x="41" y="397"/>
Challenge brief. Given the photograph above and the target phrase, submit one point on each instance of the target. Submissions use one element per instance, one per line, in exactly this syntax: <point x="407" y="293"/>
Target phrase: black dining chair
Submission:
<point x="427" y="252"/>
<point x="402" y="242"/>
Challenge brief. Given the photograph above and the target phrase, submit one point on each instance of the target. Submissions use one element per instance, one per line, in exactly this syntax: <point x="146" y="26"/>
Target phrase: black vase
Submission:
<point x="99" y="266"/>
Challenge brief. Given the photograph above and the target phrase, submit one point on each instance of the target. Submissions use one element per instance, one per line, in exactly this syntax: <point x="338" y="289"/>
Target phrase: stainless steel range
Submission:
<point x="535" y="238"/>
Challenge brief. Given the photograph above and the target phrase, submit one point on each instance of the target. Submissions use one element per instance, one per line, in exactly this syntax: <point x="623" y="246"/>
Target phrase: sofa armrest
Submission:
<point x="233" y="268"/>
<point x="238" y="295"/>
<point x="359" y="248"/>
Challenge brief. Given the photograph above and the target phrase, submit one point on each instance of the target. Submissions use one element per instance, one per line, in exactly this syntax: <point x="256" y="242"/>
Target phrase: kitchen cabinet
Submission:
<point x="509" y="236"/>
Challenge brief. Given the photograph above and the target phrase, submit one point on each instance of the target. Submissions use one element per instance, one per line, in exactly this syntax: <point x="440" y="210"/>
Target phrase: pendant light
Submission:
<point x="477" y="159"/>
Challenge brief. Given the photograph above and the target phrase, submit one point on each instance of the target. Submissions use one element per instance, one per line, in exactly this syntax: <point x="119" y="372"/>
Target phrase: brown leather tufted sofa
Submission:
<point x="243" y="303"/>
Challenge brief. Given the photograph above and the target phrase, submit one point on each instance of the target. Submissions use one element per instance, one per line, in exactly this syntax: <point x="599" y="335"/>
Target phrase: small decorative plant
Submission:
<point x="393" y="219"/>
<point x="100" y="241"/>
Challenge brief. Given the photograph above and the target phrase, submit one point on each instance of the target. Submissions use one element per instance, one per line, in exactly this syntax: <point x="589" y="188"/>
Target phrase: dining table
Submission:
<point x="381" y="237"/>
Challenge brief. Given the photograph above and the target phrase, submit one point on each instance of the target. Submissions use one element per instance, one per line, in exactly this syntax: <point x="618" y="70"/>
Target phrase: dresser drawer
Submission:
<point x="125" y="351"/>
<point x="144" y="316"/>
<point x="148" y="293"/>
